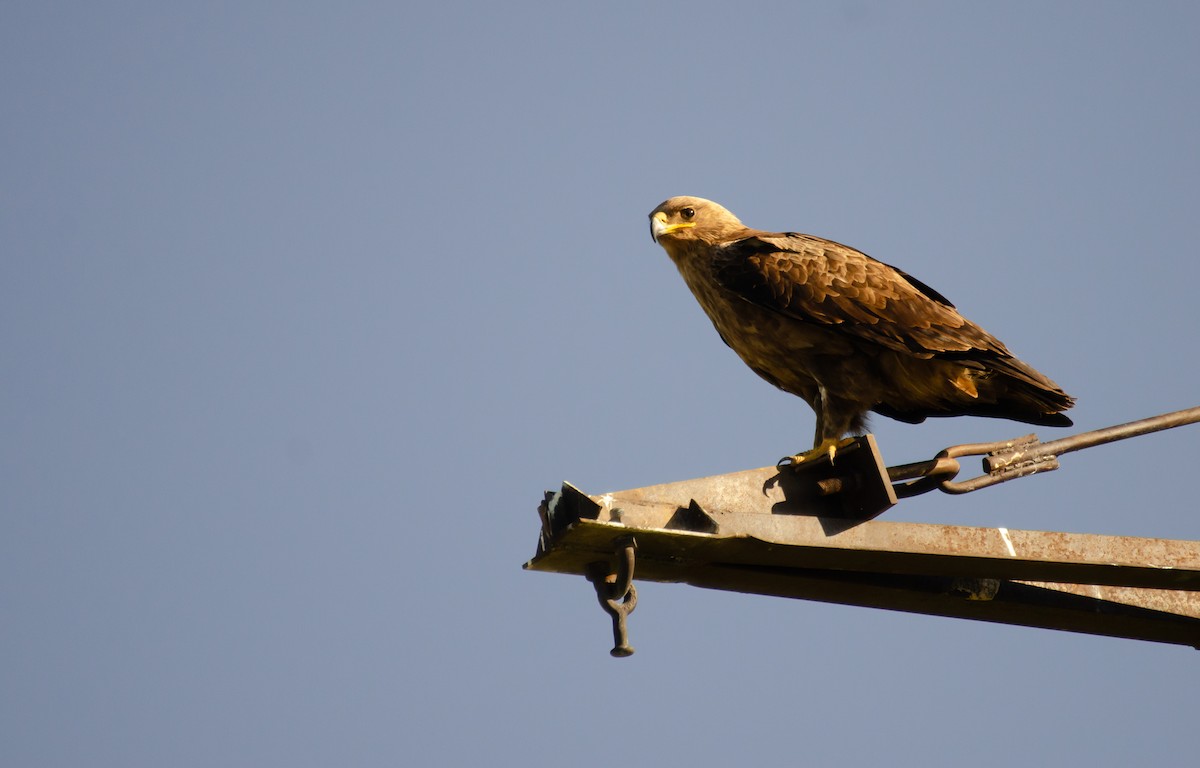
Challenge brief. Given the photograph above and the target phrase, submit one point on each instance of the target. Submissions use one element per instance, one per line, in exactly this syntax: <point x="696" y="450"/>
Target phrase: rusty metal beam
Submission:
<point x="762" y="531"/>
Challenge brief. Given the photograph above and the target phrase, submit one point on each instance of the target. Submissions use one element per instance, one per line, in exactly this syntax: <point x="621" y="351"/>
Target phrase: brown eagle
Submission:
<point x="845" y="332"/>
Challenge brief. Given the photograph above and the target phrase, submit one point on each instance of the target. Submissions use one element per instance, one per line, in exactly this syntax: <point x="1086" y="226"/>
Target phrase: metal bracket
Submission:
<point x="616" y="592"/>
<point x="854" y="486"/>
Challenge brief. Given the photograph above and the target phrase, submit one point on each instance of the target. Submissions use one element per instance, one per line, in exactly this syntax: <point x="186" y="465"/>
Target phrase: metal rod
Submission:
<point x="1121" y="431"/>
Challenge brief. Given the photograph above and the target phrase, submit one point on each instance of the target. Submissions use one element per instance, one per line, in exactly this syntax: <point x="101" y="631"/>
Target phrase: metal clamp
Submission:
<point x="1019" y="457"/>
<point x="616" y="593"/>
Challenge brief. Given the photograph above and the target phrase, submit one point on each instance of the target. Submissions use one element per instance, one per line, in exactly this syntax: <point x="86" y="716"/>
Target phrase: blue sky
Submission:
<point x="302" y="307"/>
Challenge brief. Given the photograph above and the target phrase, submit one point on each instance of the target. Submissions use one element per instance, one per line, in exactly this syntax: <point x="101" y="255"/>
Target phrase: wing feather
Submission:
<point x="824" y="282"/>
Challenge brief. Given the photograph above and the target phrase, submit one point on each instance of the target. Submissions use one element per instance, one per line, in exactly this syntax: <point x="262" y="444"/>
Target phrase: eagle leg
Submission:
<point x="835" y="417"/>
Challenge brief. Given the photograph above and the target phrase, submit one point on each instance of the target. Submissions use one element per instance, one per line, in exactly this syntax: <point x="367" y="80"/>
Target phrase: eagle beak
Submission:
<point x="660" y="227"/>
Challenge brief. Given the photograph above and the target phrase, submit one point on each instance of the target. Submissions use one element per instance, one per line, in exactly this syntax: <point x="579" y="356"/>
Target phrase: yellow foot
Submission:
<point x="826" y="449"/>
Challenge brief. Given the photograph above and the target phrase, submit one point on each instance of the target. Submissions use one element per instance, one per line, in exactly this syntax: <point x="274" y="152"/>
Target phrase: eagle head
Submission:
<point x="681" y="219"/>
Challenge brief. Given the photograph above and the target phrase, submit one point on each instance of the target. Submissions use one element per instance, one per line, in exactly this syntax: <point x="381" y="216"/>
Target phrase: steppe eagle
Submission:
<point x="845" y="332"/>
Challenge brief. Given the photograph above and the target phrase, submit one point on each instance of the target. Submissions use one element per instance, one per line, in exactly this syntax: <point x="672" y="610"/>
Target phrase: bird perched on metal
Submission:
<point x="845" y="332"/>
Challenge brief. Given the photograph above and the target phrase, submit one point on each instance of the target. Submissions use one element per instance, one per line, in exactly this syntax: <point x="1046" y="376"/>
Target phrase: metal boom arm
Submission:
<point x="806" y="532"/>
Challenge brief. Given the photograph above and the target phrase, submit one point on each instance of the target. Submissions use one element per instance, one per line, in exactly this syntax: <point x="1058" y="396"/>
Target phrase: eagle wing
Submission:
<point x="827" y="283"/>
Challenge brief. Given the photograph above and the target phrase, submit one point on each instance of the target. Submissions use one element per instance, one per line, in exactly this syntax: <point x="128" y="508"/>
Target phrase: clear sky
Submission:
<point x="303" y="305"/>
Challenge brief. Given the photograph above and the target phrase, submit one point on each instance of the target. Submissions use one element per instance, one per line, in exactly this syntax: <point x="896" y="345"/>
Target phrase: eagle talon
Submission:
<point x="826" y="450"/>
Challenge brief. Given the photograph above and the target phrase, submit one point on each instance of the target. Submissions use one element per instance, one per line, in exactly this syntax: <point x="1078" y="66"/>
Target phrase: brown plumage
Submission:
<point x="845" y="332"/>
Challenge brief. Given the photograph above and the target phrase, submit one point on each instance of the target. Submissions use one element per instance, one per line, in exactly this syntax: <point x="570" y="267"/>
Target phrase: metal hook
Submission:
<point x="616" y="593"/>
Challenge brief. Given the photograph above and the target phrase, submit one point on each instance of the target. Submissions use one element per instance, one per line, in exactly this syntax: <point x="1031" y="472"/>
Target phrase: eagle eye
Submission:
<point x="688" y="213"/>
